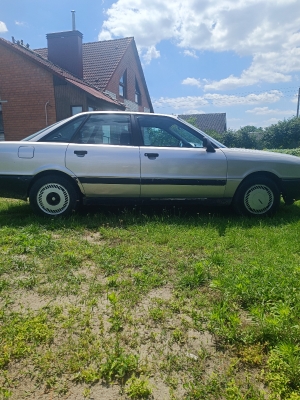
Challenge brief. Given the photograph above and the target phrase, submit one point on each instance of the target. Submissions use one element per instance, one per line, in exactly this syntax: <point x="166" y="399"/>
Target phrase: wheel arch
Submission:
<point x="61" y="174"/>
<point x="258" y="195"/>
<point x="261" y="174"/>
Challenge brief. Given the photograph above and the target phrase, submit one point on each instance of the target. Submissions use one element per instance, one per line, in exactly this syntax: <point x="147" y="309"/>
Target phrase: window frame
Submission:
<point x="137" y="95"/>
<point x="170" y="122"/>
<point x="1" y="121"/>
<point x="81" y="119"/>
<point x="110" y="142"/>
<point x="123" y="85"/>
<point x="76" y="106"/>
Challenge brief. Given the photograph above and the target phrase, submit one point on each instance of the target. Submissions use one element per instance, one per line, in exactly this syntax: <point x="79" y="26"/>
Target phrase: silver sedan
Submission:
<point x="98" y="157"/>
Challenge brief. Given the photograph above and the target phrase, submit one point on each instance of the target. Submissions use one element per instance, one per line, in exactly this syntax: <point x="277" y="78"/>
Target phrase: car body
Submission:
<point x="125" y="156"/>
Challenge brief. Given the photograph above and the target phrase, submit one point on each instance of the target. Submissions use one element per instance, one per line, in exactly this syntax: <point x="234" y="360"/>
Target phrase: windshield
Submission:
<point x="214" y="141"/>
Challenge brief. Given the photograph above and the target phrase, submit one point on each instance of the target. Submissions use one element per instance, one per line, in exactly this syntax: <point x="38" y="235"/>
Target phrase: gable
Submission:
<point x="104" y="62"/>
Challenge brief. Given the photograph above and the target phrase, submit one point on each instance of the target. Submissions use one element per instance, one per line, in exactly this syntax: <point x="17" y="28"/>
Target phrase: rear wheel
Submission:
<point x="257" y="196"/>
<point x="53" y="196"/>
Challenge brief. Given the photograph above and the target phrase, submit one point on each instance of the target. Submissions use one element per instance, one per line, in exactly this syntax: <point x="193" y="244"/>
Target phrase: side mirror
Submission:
<point x="209" y="147"/>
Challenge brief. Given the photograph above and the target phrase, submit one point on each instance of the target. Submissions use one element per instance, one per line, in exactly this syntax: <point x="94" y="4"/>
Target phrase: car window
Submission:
<point x="167" y="132"/>
<point x="106" y="129"/>
<point x="33" y="135"/>
<point x="64" y="133"/>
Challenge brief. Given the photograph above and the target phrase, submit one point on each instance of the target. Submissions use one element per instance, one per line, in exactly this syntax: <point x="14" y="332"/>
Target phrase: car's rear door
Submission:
<point x="104" y="159"/>
<point x="174" y="163"/>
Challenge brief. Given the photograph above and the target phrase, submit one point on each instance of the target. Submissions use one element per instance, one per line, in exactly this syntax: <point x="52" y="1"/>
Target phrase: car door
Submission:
<point x="103" y="157"/>
<point x="174" y="163"/>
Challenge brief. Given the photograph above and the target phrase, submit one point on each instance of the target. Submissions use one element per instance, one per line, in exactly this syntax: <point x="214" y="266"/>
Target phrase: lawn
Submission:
<point x="140" y="303"/>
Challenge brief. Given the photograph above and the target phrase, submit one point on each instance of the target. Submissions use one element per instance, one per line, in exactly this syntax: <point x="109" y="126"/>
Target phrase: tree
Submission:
<point x="283" y="135"/>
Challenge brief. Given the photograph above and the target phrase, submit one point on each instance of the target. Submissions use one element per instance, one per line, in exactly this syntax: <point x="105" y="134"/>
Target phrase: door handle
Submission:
<point x="80" y="153"/>
<point x="151" y="155"/>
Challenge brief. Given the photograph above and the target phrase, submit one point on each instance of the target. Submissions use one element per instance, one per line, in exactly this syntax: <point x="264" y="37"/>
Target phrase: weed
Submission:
<point x="157" y="314"/>
<point x="89" y="375"/>
<point x="138" y="388"/>
<point x="284" y="367"/>
<point x="194" y="277"/>
<point x="118" y="366"/>
<point x="178" y="336"/>
<point x="5" y="393"/>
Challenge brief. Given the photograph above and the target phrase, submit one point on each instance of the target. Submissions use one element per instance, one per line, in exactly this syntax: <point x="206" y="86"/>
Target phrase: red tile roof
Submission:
<point x="100" y="59"/>
<point x="90" y="90"/>
<point x="39" y="57"/>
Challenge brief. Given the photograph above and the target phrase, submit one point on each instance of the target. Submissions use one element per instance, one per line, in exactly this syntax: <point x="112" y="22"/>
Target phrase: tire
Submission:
<point x="53" y="196"/>
<point x="257" y="197"/>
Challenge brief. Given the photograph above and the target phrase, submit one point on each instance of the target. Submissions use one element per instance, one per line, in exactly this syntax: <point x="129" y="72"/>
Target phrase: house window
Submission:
<point x="122" y="85"/>
<point x="76" y="110"/>
<point x="1" y="124"/>
<point x="137" y="97"/>
<point x="92" y="108"/>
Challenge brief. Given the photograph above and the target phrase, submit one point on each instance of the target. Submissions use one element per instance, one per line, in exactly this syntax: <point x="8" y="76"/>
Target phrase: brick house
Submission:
<point x="40" y="87"/>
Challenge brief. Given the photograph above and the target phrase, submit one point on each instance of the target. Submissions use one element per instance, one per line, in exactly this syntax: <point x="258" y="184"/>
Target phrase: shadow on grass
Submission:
<point x="19" y="214"/>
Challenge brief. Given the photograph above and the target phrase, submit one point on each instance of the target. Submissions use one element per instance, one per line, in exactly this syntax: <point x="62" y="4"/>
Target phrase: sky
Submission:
<point x="239" y="57"/>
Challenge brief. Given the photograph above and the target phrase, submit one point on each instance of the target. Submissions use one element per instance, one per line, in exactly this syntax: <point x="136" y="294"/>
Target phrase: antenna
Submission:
<point x="73" y="20"/>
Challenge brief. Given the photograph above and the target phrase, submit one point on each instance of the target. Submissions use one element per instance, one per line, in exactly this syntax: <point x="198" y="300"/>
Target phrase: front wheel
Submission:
<point x="53" y="196"/>
<point x="257" y="196"/>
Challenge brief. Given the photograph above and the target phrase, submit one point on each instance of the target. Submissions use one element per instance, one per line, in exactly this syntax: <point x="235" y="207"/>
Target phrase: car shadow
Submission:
<point x="20" y="214"/>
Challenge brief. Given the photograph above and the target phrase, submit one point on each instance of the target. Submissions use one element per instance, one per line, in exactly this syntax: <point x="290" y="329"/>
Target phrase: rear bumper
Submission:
<point x="14" y="186"/>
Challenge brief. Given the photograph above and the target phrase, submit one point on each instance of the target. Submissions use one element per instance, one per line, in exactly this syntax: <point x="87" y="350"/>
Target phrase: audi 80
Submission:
<point x="102" y="156"/>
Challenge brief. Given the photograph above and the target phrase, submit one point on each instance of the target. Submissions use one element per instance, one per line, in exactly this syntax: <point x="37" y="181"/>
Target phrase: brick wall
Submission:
<point x="129" y="62"/>
<point x="27" y="87"/>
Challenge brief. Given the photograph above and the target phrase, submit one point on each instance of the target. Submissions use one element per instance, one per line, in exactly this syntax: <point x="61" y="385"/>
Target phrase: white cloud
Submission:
<point x="193" y="111"/>
<point x="230" y="100"/>
<point x="194" y="102"/>
<point x="269" y="111"/>
<point x="294" y="99"/>
<point x="180" y="103"/>
<point x="150" y="54"/>
<point x="270" y="67"/>
<point x="271" y="121"/>
<point x="105" y="35"/>
<point x="192" y="82"/>
<point x="3" y="27"/>
<point x="267" y="30"/>
<point x="190" y="53"/>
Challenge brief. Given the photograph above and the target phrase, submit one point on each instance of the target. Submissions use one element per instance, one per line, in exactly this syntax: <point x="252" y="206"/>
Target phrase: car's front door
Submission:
<point x="174" y="163"/>
<point x="104" y="159"/>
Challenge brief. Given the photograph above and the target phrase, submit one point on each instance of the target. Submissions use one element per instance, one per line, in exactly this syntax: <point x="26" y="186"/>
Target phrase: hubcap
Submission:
<point x="258" y="199"/>
<point x="53" y="198"/>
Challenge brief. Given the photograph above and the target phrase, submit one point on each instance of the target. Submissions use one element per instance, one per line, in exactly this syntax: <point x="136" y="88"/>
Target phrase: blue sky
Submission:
<point x="241" y="57"/>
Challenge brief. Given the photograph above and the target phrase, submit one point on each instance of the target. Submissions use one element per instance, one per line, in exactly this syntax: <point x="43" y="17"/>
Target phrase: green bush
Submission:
<point x="283" y="135"/>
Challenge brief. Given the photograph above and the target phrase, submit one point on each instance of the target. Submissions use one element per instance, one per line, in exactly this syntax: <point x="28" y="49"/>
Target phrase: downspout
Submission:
<point x="46" y="113"/>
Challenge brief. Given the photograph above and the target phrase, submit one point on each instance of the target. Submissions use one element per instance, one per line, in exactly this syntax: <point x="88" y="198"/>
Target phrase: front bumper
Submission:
<point x="290" y="190"/>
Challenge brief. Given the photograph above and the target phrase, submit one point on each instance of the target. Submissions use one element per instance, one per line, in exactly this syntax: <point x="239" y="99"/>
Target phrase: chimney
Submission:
<point x="65" y="49"/>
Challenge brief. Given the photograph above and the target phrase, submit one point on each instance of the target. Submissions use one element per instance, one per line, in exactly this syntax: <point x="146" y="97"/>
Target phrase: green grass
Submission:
<point x="175" y="303"/>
